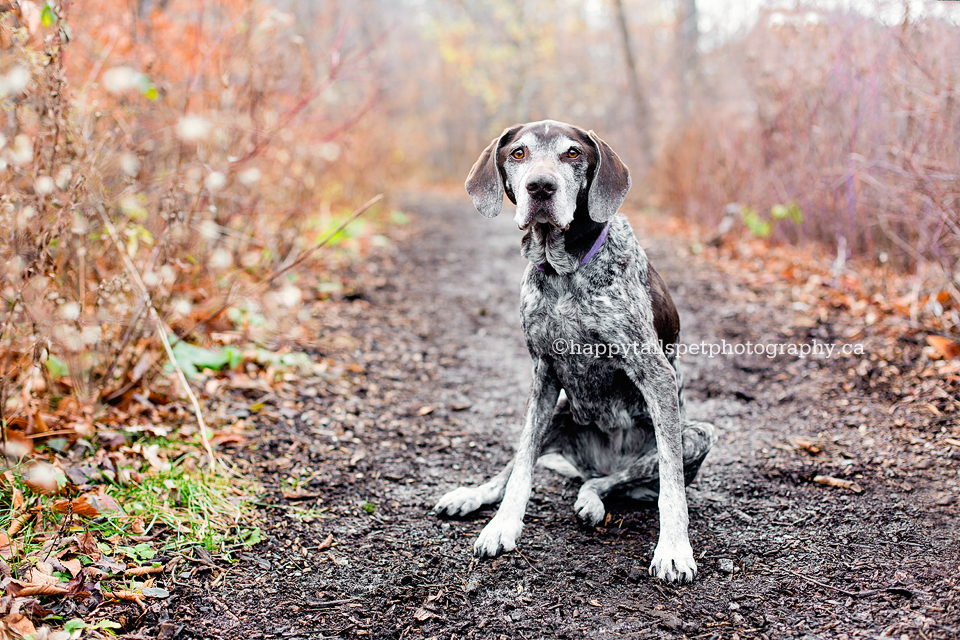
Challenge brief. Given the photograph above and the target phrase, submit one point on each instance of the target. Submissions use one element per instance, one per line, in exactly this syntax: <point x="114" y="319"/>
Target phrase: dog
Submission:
<point x="588" y="292"/>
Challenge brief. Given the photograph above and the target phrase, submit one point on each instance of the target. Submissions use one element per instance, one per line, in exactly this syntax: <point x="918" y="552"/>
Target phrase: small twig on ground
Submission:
<point x="528" y="562"/>
<point x="329" y="603"/>
<point x="142" y="571"/>
<point x="858" y="594"/>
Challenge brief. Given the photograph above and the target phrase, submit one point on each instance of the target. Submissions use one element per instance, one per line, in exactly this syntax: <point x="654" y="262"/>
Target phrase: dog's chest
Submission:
<point x="565" y="309"/>
<point x="586" y="332"/>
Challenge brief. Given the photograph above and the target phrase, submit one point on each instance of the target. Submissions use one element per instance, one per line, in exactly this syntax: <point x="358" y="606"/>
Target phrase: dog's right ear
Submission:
<point x="486" y="179"/>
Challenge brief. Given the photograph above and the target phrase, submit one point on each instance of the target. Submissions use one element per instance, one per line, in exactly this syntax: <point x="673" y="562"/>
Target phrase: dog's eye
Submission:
<point x="573" y="153"/>
<point x="518" y="154"/>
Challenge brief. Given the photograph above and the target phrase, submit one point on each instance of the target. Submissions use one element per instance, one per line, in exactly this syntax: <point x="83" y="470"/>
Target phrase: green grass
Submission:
<point x="199" y="508"/>
<point x="192" y="507"/>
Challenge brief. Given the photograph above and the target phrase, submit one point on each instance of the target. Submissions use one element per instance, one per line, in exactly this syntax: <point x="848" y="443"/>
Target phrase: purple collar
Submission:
<point x="593" y="250"/>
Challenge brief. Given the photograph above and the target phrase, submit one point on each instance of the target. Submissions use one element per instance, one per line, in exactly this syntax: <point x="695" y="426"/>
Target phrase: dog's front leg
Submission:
<point x="673" y="558"/>
<point x="502" y="532"/>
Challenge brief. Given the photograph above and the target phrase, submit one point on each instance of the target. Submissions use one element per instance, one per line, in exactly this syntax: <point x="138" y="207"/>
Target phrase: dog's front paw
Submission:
<point x="500" y="534"/>
<point x="589" y="507"/>
<point x="674" y="562"/>
<point x="460" y="502"/>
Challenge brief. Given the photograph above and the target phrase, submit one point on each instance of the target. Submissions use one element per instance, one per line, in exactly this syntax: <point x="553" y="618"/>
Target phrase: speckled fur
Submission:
<point x="621" y="425"/>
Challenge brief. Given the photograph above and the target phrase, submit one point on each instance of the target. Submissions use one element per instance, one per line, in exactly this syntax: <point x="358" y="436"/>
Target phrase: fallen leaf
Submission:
<point x="73" y="566"/>
<point x="221" y="439"/>
<point x="88" y="545"/>
<point x="326" y="543"/>
<point x="39" y="424"/>
<point x="89" y="505"/>
<point x="811" y="446"/>
<point x="422" y="614"/>
<point x="100" y="501"/>
<point x="44" y="478"/>
<point x="138" y="526"/>
<point x="830" y="481"/>
<point x="17" y="446"/>
<point x="8" y="547"/>
<point x="42" y="590"/>
<point x="17" y="524"/>
<point x="133" y="596"/>
<point x="109" y="565"/>
<point x="77" y="506"/>
<point x="946" y="347"/>
<point x="20" y="625"/>
<point x="37" y="577"/>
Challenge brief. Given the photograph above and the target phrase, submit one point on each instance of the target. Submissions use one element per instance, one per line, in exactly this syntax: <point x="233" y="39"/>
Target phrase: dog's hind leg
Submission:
<point x="641" y="478"/>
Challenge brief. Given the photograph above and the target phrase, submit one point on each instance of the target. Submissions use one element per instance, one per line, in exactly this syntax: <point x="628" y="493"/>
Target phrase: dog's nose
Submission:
<point x="541" y="186"/>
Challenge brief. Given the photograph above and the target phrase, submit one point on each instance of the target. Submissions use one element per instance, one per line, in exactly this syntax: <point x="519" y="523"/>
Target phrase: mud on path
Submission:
<point x="425" y="390"/>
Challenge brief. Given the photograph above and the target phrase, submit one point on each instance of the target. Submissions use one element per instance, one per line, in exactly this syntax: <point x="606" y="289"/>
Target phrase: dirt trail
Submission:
<point x="427" y="394"/>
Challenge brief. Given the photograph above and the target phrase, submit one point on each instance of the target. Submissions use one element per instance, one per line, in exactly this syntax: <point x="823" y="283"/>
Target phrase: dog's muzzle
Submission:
<point x="541" y="188"/>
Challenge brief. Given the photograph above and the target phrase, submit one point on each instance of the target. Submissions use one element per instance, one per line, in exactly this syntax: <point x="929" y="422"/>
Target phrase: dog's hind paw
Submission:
<point x="674" y="562"/>
<point x="589" y="508"/>
<point x="500" y="534"/>
<point x="460" y="502"/>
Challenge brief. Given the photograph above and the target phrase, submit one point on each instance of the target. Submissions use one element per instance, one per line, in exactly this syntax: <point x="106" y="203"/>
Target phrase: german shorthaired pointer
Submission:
<point x="600" y="326"/>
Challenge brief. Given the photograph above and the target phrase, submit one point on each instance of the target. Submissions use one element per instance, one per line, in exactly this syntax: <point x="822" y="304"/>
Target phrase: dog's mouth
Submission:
<point x="542" y="215"/>
<point x="544" y="227"/>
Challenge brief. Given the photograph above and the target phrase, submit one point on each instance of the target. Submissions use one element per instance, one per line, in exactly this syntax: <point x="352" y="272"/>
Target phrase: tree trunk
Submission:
<point x="688" y="56"/>
<point x="640" y="105"/>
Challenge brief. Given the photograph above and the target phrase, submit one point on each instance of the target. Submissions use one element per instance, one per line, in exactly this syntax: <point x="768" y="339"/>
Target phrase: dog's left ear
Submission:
<point x="611" y="182"/>
<point x="486" y="179"/>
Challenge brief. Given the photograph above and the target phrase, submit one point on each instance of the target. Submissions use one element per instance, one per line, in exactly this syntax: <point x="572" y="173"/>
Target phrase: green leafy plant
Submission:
<point x="757" y="225"/>
<point x="192" y="358"/>
<point x="789" y="211"/>
<point x="49" y="14"/>
<point x="142" y="551"/>
<point x="762" y="227"/>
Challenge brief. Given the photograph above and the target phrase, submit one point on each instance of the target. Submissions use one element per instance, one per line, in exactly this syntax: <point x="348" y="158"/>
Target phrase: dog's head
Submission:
<point x="547" y="168"/>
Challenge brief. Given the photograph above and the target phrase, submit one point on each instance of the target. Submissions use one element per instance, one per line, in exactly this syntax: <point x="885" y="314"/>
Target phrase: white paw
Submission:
<point x="500" y="534"/>
<point x="460" y="502"/>
<point x="674" y="562"/>
<point x="589" y="507"/>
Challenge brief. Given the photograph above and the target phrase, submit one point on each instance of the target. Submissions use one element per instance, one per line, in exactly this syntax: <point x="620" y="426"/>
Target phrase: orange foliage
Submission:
<point x="209" y="142"/>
